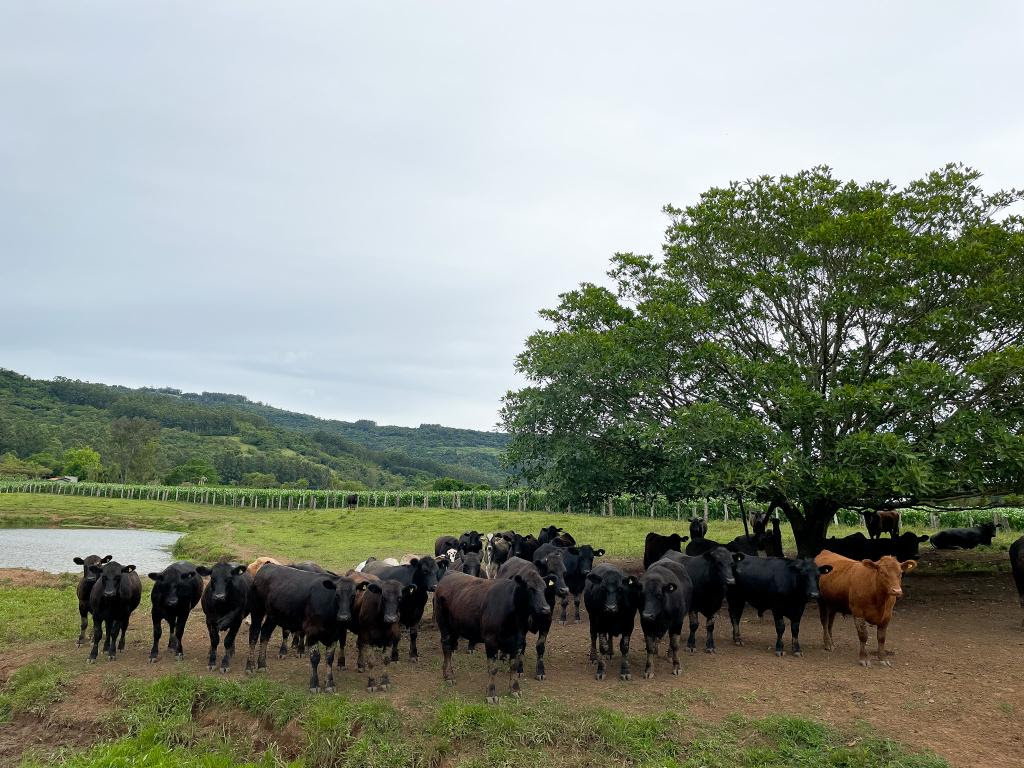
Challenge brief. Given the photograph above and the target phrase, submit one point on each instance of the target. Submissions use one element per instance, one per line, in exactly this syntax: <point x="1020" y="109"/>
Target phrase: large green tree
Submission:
<point x="132" y="446"/>
<point x="805" y="342"/>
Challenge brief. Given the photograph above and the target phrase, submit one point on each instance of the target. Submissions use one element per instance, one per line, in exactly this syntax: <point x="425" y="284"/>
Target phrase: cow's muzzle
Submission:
<point x="392" y="619"/>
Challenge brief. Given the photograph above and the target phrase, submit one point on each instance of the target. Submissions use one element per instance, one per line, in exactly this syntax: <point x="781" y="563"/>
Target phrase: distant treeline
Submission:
<point x="101" y="432"/>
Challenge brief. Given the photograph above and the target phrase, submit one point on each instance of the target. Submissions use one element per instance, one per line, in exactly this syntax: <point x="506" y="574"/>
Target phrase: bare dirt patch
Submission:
<point x="955" y="685"/>
<point x="25" y="577"/>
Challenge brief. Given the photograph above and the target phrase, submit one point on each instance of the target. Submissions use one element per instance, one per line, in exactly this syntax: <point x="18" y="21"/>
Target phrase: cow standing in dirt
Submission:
<point x="377" y="624"/>
<point x="424" y="573"/>
<point x="114" y="597"/>
<point x="176" y="592"/>
<point x="225" y="601"/>
<point x="667" y="593"/>
<point x="865" y="589"/>
<point x="540" y="623"/>
<point x="612" y="599"/>
<point x="84" y="588"/>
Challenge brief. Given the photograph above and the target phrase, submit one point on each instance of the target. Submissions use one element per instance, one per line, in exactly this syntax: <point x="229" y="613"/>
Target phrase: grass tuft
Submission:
<point x="33" y="688"/>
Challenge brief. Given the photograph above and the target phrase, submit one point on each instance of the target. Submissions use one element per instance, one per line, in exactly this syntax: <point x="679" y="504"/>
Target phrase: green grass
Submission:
<point x="31" y="614"/>
<point x="33" y="688"/>
<point x="160" y="726"/>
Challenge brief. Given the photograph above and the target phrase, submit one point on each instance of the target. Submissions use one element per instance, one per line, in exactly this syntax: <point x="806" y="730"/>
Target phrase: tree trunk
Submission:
<point x="810" y="527"/>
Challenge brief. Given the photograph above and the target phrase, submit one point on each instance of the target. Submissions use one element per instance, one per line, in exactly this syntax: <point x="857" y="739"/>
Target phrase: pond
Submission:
<point x="54" y="549"/>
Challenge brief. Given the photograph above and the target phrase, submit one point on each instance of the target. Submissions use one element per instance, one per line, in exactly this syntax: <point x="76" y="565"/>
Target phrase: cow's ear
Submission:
<point x="632" y="582"/>
<point x="823" y="569"/>
<point x="684" y="538"/>
<point x="908" y="565"/>
<point x="737" y="556"/>
<point x="107" y="558"/>
<point x="328" y="584"/>
<point x="409" y="589"/>
<point x="598" y="552"/>
<point x="414" y="562"/>
<point x="593" y="577"/>
<point x="238" y="570"/>
<point x="870" y="564"/>
<point x="520" y="580"/>
<point x="670" y="587"/>
<point x="573" y="550"/>
<point x="153" y="575"/>
<point x="202" y="570"/>
<point x="79" y="561"/>
<point x="128" y="568"/>
<point x="374" y="587"/>
<point x="362" y="585"/>
<point x="922" y="537"/>
<point x="551" y="582"/>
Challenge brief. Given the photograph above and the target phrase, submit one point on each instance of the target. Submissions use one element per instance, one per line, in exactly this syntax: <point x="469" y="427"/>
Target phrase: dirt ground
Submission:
<point x="956" y="684"/>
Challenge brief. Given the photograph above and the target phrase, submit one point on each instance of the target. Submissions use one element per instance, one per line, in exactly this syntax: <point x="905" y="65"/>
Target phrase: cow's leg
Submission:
<point x="565" y="608"/>
<point x="471" y="647"/>
<point x="603" y="652"/>
<point x="83" y="612"/>
<point x="229" y="645"/>
<point x="314" y="669"/>
<point x="283" y="650"/>
<point x="735" y="616"/>
<point x="794" y="632"/>
<point x="673" y="647"/>
<point x="492" y="671"/>
<point x="414" y="653"/>
<point x="299" y="643"/>
<point x="371" y="681"/>
<point x="123" y="627"/>
<point x="652" y="650"/>
<point x="394" y="647"/>
<point x="447" y="647"/>
<point x="179" y="632"/>
<point x="880" y="635"/>
<point x="265" y="632"/>
<point x="154" y="652"/>
<point x="255" y="623"/>
<point x="214" y="633"/>
<point x="172" y="624"/>
<point x="862" y="637"/>
<point x="114" y="626"/>
<point x="576" y="607"/>
<point x="624" y="650"/>
<point x="360" y="657"/>
<point x="542" y="640"/>
<point x="342" y="639"/>
<point x="97" y="634"/>
<point x="513" y="679"/>
<point x="593" y="645"/>
<point x="329" y="682"/>
<point x="691" y="641"/>
<point x="780" y="630"/>
<point x="709" y="626"/>
<point x="826" y="616"/>
<point x="385" y="678"/>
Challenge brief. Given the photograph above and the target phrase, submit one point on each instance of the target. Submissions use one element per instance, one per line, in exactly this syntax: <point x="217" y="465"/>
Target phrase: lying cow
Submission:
<point x="225" y="601"/>
<point x="495" y="612"/>
<point x="666" y="597"/>
<point x="115" y="595"/>
<point x="865" y="589"/>
<point x="857" y="546"/>
<point x="778" y="585"/>
<point x="176" y="591"/>
<point x="656" y="545"/>
<point x="965" y="538"/>
<point x="612" y="599"/>
<point x="84" y="588"/>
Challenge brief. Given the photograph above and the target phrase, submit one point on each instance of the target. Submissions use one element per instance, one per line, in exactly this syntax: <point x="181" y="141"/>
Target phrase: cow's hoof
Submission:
<point x="314" y="689"/>
<point x="301" y="654"/>
<point x="412" y="659"/>
<point x="626" y="676"/>
<point x="677" y="671"/>
<point x="492" y="699"/>
<point x="152" y="659"/>
<point x="599" y="676"/>
<point x="78" y="644"/>
<point x="281" y="655"/>
<point x="517" y="694"/>
<point x="383" y="688"/>
<point x="780" y="654"/>
<point x="360" y="669"/>
<point x="371" y="689"/>
<point x="211" y="667"/>
<point x="864" y="662"/>
<point x="562" y="622"/>
<point x="225" y="670"/>
<point x="691" y="650"/>
<point x="90" y="661"/>
<point x="329" y="689"/>
<point x="540" y="676"/>
<point x="648" y="675"/>
<point x="111" y="658"/>
<point x="710" y="650"/>
<point x="179" y="657"/>
<point x="797" y="654"/>
<point x="885" y="662"/>
<point x="737" y="642"/>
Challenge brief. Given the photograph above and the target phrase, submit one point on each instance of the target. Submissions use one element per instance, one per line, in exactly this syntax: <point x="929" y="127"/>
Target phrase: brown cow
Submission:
<point x="258" y="563"/>
<point x="377" y="624"/>
<point x="864" y="588"/>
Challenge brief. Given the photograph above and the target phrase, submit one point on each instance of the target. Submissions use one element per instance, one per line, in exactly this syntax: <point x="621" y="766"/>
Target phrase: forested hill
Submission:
<point x="242" y="441"/>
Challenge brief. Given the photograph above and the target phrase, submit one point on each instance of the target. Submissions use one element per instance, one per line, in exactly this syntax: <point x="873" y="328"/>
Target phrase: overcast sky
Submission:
<point x="356" y="209"/>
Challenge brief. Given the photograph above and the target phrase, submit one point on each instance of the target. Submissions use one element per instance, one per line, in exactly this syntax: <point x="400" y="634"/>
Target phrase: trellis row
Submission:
<point x="521" y="500"/>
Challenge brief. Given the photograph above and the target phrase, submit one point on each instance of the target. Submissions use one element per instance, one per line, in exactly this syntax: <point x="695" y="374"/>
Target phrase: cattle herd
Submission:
<point x="499" y="588"/>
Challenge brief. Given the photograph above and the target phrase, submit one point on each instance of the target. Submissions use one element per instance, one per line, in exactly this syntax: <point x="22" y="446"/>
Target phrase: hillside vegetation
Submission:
<point x="45" y="425"/>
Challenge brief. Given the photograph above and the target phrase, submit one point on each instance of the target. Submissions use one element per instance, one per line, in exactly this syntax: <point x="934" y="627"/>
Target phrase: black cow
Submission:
<point x="564" y="539"/>
<point x="667" y="593"/>
<point x="445" y="543"/>
<point x="698" y="547"/>
<point x="857" y="546"/>
<point x="550" y="561"/>
<point x="759" y="522"/>
<point x="319" y="606"/>
<point x="466" y="563"/>
<point x="965" y="538"/>
<point x="548" y="533"/>
<point x="225" y="603"/>
<point x="524" y="546"/>
<point x="711" y="574"/>
<point x="656" y="545"/>
<point x="421" y="571"/>
<point x="471" y="541"/>
<point x="495" y="612"/>
<point x="579" y="562"/>
<point x="1017" y="566"/>
<point x="540" y="623"/>
<point x="298" y="639"/>
<point x="773" y="540"/>
<point x="84" y="588"/>
<point x="176" y="592"/>
<point x="778" y="585"/>
<point x="377" y="617"/>
<point x="612" y="599"/>
<point x="114" y="596"/>
<point x="698" y="528"/>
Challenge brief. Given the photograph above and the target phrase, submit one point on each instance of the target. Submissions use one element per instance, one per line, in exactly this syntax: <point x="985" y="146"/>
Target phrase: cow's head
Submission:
<point x="109" y="576"/>
<point x="425" y="573"/>
<point x="721" y="561"/>
<point x="889" y="574"/>
<point x="552" y="566"/>
<point x="620" y="591"/>
<point x="530" y="589"/>
<point x="469" y="563"/>
<point x="175" y="585"/>
<point x="654" y="587"/>
<point x="584" y="555"/>
<point x="807" y="574"/>
<point x="223" y="577"/>
<point x="88" y="575"/>
<point x="471" y="541"/>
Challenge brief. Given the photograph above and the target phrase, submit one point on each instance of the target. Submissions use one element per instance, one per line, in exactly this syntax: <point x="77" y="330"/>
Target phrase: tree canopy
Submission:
<point x="803" y="341"/>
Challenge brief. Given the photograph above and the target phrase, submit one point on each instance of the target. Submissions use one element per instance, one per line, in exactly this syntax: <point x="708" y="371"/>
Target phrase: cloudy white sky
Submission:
<point x="356" y="209"/>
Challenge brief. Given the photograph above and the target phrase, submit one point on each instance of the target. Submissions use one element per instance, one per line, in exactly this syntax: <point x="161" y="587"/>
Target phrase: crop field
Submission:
<point x="953" y="695"/>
